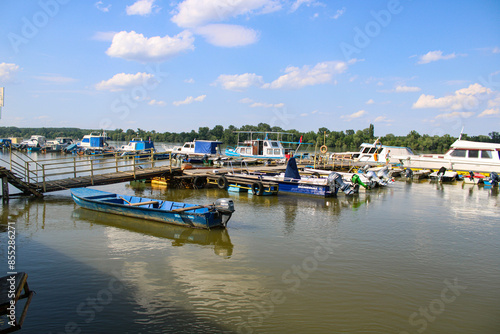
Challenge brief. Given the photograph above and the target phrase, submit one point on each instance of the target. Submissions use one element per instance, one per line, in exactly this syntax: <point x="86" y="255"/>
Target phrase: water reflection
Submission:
<point x="218" y="238"/>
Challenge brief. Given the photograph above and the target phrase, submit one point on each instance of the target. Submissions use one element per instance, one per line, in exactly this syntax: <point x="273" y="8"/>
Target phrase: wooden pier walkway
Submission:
<point x="42" y="176"/>
<point x="108" y="178"/>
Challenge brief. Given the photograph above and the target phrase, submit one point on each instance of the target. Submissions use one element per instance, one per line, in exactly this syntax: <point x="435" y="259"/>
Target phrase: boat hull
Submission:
<point x="105" y="202"/>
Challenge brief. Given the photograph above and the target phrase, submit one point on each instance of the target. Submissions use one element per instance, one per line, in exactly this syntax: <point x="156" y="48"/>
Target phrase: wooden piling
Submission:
<point x="5" y="190"/>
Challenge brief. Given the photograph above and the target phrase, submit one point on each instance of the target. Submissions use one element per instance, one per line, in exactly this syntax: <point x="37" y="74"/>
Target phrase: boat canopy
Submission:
<point x="206" y="147"/>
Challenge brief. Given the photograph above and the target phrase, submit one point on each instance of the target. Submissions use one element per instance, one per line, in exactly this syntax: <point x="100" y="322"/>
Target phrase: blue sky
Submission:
<point x="429" y="66"/>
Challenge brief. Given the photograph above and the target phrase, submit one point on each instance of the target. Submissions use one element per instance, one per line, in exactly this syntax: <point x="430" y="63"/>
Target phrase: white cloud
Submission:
<point x="57" y="79"/>
<point x="228" y="35"/>
<point x="100" y="5"/>
<point x="370" y="101"/>
<point x="490" y="112"/>
<point x="156" y="103"/>
<point x="8" y="72"/>
<point x="123" y="81"/>
<point x="308" y="3"/>
<point x="456" y="114"/>
<point x="195" y="13"/>
<point x="496" y="49"/>
<point x="134" y="46"/>
<point x="435" y="56"/>
<point x="493" y="107"/>
<point x="104" y="36"/>
<point x="239" y="82"/>
<point x="352" y="116"/>
<point x="406" y="89"/>
<point x="339" y="13"/>
<point x="141" y="7"/>
<point x="190" y="80"/>
<point x="246" y="100"/>
<point x="266" y="105"/>
<point x="296" y="77"/>
<point x="465" y="98"/>
<point x="190" y="100"/>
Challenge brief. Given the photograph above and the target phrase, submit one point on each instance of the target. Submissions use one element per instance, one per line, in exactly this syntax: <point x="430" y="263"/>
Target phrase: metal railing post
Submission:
<point x="92" y="171"/>
<point x="74" y="167"/>
<point x="43" y="173"/>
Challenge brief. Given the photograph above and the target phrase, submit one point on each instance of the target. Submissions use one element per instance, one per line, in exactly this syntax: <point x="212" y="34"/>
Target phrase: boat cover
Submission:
<point x="206" y="147"/>
<point x="292" y="172"/>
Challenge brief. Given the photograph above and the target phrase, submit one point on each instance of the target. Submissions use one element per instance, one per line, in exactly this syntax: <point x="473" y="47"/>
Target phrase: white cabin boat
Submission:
<point x="94" y="141"/>
<point x="261" y="148"/>
<point x="377" y="153"/>
<point x="35" y="143"/>
<point x="58" y="144"/>
<point x="199" y="147"/>
<point x="463" y="156"/>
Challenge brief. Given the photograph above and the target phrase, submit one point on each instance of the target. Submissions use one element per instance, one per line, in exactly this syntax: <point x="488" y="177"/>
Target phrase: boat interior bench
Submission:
<point x="11" y="287"/>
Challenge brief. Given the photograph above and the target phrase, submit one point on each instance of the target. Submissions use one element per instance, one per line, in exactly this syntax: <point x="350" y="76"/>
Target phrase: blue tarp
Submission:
<point x="143" y="145"/>
<point x="206" y="147"/>
<point x="97" y="142"/>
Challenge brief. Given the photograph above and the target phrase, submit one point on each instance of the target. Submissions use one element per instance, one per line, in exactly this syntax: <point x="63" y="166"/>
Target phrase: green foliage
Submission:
<point x="337" y="141"/>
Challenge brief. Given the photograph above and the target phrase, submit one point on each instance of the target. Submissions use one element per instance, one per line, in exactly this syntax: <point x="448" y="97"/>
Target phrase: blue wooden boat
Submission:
<point x="190" y="215"/>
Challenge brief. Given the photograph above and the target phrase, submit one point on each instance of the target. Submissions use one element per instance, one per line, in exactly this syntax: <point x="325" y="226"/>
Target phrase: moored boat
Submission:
<point x="190" y="215"/>
<point x="262" y="148"/>
<point x="463" y="156"/>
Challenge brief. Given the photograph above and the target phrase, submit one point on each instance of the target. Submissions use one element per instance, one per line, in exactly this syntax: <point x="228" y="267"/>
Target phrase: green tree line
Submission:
<point x="337" y="141"/>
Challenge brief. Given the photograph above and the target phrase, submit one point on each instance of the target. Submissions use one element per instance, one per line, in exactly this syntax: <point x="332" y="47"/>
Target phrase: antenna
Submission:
<point x="461" y="132"/>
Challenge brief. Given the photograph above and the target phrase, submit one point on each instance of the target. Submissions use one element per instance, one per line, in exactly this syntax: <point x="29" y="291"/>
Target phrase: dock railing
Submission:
<point x="40" y="171"/>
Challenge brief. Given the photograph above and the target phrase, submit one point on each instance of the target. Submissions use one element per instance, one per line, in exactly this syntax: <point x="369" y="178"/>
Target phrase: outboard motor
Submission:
<point x="471" y="175"/>
<point x="357" y="180"/>
<point x="440" y="173"/>
<point x="408" y="173"/>
<point x="225" y="206"/>
<point x="373" y="177"/>
<point x="383" y="172"/>
<point x="335" y="182"/>
<point x="494" y="178"/>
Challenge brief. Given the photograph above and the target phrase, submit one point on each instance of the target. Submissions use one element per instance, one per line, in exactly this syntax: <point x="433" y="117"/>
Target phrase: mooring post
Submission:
<point x="133" y="157"/>
<point x="5" y="189"/>
<point x="74" y="167"/>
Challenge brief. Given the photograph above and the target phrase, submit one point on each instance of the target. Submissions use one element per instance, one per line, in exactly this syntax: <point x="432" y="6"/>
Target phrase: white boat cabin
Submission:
<point x="94" y="140"/>
<point x="378" y="153"/>
<point x="35" y="141"/>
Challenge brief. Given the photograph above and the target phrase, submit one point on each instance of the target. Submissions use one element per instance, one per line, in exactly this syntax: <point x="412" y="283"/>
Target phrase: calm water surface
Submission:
<point x="412" y="258"/>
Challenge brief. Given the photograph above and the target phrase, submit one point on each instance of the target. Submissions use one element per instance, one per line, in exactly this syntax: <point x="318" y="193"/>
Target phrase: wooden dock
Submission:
<point x="39" y="177"/>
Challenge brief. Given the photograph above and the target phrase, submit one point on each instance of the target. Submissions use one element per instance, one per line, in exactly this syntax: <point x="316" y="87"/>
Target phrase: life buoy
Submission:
<point x="222" y="182"/>
<point x="323" y="149"/>
<point x="200" y="182"/>
<point x="258" y="188"/>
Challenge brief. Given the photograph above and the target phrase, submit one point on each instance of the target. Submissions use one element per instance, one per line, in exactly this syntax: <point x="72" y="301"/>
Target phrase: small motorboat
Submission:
<point x="214" y="215"/>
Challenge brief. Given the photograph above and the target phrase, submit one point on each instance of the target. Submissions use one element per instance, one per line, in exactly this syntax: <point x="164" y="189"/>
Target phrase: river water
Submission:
<point x="416" y="257"/>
